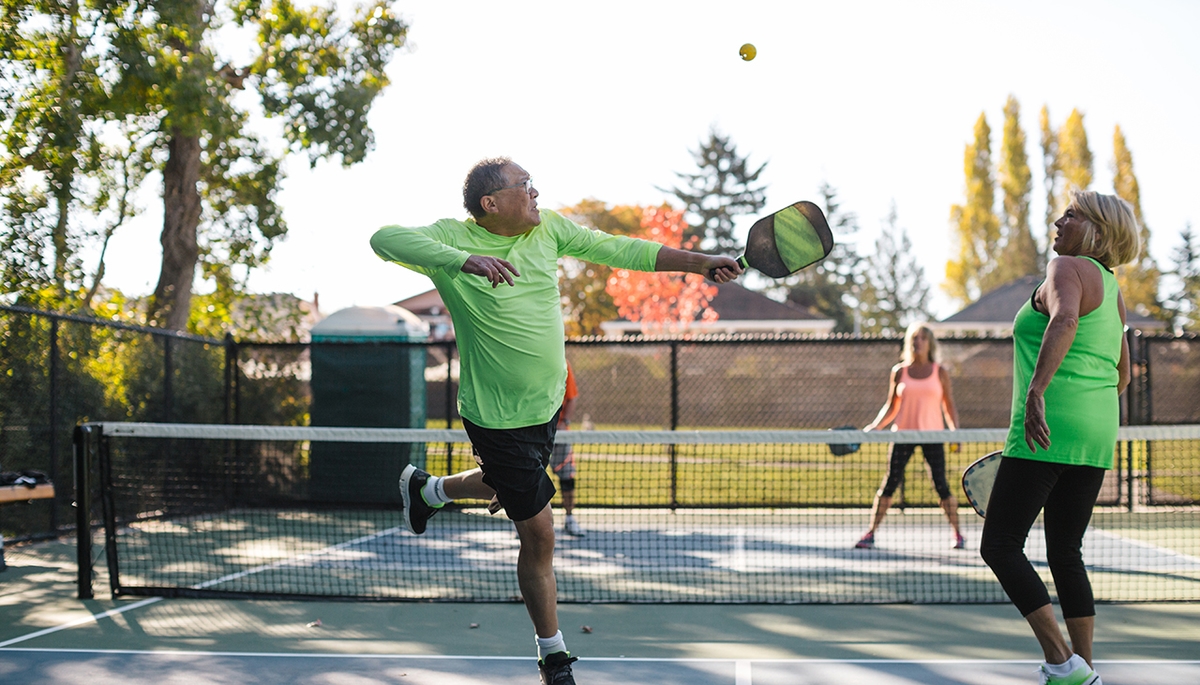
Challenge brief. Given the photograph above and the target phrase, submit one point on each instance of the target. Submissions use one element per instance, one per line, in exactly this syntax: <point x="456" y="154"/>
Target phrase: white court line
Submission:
<point x="742" y="673"/>
<point x="674" y="660"/>
<point x="232" y="576"/>
<point x="79" y="622"/>
<point x="296" y="560"/>
<point x="1165" y="551"/>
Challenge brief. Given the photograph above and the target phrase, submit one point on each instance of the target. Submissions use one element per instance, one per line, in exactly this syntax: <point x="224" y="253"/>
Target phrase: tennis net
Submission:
<point x="669" y="516"/>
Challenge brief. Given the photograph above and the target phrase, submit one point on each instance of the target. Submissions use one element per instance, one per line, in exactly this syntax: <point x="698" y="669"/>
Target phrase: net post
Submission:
<point x="82" y="446"/>
<point x="108" y="509"/>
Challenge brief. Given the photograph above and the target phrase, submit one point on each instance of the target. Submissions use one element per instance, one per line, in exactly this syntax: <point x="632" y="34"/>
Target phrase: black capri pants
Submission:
<point x="898" y="456"/>
<point x="1067" y="494"/>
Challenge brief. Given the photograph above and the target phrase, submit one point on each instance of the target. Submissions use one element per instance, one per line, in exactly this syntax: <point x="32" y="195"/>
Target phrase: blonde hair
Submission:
<point x="1112" y="227"/>
<point x="913" y="328"/>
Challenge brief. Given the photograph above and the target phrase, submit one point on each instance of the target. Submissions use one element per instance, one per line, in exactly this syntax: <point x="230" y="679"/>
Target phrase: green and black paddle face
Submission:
<point x="788" y="240"/>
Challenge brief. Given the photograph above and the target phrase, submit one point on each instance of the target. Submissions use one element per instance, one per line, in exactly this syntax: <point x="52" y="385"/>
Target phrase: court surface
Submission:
<point x="48" y="636"/>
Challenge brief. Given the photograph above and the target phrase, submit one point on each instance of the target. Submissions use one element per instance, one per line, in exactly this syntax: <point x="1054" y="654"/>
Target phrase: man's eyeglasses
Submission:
<point x="527" y="184"/>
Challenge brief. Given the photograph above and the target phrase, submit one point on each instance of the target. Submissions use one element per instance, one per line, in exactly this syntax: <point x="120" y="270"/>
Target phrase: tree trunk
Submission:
<point x="171" y="303"/>
<point x="67" y="140"/>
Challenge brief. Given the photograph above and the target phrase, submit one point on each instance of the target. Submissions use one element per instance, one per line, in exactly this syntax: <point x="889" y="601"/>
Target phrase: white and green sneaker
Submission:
<point x="1081" y="674"/>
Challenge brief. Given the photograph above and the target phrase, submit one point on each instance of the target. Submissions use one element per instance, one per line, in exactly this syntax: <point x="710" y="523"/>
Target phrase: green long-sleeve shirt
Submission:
<point x="510" y="338"/>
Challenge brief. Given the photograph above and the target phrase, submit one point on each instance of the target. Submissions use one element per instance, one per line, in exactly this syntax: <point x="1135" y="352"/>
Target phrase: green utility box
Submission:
<point x="368" y="371"/>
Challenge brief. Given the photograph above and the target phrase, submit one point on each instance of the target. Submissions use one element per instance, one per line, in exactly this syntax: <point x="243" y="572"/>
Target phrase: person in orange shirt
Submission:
<point x="562" y="459"/>
<point x="919" y="398"/>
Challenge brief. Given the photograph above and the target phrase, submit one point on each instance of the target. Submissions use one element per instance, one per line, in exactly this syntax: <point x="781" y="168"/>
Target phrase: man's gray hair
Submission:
<point x="486" y="176"/>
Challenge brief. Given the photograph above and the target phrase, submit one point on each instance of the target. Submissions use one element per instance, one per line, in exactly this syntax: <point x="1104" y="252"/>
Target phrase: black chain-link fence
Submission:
<point x="57" y="371"/>
<point x="772" y="383"/>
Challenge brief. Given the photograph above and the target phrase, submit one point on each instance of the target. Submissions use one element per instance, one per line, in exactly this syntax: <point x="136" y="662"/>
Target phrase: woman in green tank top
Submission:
<point x="1070" y="364"/>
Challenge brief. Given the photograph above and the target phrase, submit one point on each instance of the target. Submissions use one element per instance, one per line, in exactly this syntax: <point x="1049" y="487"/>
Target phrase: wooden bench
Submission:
<point x="23" y="493"/>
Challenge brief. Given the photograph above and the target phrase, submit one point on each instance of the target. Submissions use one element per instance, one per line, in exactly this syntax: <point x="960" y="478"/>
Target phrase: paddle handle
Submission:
<point x="712" y="273"/>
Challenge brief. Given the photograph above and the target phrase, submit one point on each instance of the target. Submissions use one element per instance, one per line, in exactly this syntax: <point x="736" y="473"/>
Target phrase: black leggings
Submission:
<point x="935" y="458"/>
<point x="1067" y="494"/>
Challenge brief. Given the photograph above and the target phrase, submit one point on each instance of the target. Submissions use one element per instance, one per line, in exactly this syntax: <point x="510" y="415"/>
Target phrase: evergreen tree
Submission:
<point x="1019" y="254"/>
<point x="1140" y="280"/>
<point x="977" y="228"/>
<point x="723" y="187"/>
<point x="1183" y="299"/>
<point x="898" y="294"/>
<point x="1051" y="179"/>
<point x="834" y="286"/>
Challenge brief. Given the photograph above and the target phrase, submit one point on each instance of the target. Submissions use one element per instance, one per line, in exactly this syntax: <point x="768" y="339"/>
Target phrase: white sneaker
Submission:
<point x="1081" y="674"/>
<point x="571" y="527"/>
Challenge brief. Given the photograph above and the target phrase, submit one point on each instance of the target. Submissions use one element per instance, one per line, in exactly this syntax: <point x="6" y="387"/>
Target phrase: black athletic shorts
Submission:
<point x="514" y="463"/>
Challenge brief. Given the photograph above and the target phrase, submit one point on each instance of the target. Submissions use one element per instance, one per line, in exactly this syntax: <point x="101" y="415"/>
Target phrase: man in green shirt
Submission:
<point x="509" y="329"/>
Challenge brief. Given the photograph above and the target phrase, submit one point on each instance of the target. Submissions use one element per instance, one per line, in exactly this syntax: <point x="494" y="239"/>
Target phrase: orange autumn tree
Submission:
<point x="662" y="302"/>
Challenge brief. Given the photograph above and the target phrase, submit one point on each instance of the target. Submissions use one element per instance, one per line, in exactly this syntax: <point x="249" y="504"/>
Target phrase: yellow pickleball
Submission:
<point x="747" y="52"/>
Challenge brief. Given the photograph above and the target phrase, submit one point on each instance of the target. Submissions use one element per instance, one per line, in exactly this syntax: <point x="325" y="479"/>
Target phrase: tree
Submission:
<point x="316" y="73"/>
<point x="662" y="302"/>
<point x="154" y="64"/>
<point x="1068" y="166"/>
<point x="1051" y="179"/>
<point x="834" y="286"/>
<point x="977" y="228"/>
<point x="63" y="181"/>
<point x="585" y="299"/>
<point x="724" y="187"/>
<point x="1139" y="281"/>
<point x="899" y="294"/>
<point x="1074" y="159"/>
<point x="1182" y="302"/>
<point x="1019" y="254"/>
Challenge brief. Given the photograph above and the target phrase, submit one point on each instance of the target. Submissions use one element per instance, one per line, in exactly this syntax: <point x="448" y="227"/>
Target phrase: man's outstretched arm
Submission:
<point x="715" y="267"/>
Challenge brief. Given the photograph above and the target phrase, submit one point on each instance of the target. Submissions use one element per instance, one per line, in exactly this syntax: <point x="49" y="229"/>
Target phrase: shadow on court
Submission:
<point x="48" y="636"/>
<point x="652" y="557"/>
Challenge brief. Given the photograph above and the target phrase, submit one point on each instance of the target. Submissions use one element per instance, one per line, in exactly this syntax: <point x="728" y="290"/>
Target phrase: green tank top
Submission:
<point x="1082" y="408"/>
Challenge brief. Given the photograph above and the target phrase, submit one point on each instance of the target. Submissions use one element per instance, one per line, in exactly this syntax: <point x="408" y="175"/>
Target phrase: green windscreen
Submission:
<point x="796" y="239"/>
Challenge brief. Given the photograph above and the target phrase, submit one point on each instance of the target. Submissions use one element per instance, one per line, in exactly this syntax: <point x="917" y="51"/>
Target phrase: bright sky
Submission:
<point x="606" y="99"/>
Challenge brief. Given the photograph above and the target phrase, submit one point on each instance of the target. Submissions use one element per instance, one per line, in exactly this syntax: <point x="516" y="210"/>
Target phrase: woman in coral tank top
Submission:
<point x="919" y="398"/>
